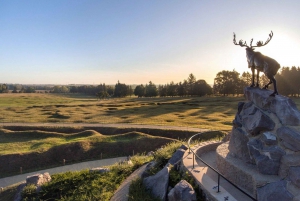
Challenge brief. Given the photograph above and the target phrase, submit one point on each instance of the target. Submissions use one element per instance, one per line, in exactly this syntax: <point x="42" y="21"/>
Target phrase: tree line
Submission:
<point x="232" y="83"/>
<point x="225" y="83"/>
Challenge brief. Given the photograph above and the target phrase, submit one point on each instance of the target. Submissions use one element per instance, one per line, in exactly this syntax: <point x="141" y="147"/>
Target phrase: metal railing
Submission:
<point x="216" y="171"/>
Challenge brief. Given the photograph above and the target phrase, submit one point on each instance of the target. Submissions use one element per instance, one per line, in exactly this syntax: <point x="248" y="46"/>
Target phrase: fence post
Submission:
<point x="218" y="182"/>
<point x="193" y="160"/>
<point x="64" y="161"/>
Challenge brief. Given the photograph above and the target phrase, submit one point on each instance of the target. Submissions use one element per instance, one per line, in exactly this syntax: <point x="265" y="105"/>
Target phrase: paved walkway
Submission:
<point x="7" y="181"/>
<point x="162" y="127"/>
<point x="208" y="179"/>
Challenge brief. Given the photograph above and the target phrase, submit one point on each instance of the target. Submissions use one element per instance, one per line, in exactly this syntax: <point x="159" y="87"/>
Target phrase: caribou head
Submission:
<point x="258" y="61"/>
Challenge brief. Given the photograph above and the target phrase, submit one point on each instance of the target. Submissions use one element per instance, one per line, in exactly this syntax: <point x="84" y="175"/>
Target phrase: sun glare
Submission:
<point x="284" y="50"/>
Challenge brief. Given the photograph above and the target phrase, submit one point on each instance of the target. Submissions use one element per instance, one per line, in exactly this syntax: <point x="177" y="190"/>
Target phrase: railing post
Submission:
<point x="193" y="160"/>
<point x="218" y="182"/>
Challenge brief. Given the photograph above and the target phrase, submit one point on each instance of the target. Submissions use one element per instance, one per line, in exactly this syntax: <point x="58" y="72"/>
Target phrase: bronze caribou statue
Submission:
<point x="260" y="62"/>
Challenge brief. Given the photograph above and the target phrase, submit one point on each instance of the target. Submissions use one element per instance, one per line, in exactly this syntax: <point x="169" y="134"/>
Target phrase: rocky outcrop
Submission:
<point x="183" y="191"/>
<point x="99" y="170"/>
<point x="238" y="144"/>
<point x="158" y="183"/>
<point x="266" y="134"/>
<point x="38" y="180"/>
<point x="284" y="108"/>
<point x="176" y="158"/>
<point x="276" y="191"/>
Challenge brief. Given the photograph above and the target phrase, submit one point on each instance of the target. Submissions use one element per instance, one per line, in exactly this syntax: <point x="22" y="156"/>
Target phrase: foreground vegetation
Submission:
<point x="83" y="185"/>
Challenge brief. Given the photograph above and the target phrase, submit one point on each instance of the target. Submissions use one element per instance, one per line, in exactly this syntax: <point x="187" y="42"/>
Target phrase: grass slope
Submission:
<point x="82" y="185"/>
<point x="34" y="149"/>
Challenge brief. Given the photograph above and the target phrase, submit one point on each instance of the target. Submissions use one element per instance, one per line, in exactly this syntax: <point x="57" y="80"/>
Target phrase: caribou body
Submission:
<point x="258" y="61"/>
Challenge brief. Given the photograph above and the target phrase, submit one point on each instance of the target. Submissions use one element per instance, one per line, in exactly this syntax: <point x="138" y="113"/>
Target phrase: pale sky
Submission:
<point x="135" y="41"/>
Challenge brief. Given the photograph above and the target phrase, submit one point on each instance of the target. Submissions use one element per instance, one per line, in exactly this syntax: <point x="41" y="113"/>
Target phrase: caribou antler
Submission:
<point x="240" y="42"/>
<point x="261" y="43"/>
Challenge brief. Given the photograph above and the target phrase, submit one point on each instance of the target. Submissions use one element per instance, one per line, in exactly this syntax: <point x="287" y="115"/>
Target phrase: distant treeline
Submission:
<point x="231" y="82"/>
<point x="226" y="83"/>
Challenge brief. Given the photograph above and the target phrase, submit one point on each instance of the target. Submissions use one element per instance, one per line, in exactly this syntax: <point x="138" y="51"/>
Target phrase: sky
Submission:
<point x="137" y="41"/>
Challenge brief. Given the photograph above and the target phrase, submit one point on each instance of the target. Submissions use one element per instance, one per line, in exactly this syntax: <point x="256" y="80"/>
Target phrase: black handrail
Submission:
<point x="219" y="174"/>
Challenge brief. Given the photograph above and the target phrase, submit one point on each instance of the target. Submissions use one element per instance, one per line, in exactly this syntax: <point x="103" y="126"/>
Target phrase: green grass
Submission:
<point x="214" y="113"/>
<point x="23" y="148"/>
<point x="83" y="185"/>
<point x="202" y="112"/>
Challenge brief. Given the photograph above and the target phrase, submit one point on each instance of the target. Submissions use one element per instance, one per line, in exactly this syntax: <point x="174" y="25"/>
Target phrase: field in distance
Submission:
<point x="215" y="113"/>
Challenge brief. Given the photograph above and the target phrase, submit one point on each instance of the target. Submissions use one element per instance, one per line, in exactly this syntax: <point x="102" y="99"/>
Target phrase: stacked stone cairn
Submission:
<point x="263" y="153"/>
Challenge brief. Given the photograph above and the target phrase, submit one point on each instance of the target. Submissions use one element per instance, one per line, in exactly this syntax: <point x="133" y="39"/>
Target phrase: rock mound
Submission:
<point x="266" y="136"/>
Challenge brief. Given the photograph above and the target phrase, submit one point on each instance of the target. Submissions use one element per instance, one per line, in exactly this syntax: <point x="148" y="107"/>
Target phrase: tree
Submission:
<point x="202" y="88"/>
<point x="29" y="90"/>
<point x="182" y="89"/>
<point x="121" y="90"/>
<point x="139" y="91"/>
<point x="60" y="89"/>
<point x="227" y="82"/>
<point x="130" y="91"/>
<point x="102" y="95"/>
<point x="172" y="89"/>
<point x="246" y="78"/>
<point x="110" y="90"/>
<point x="3" y="88"/>
<point x="191" y="82"/>
<point x="151" y="90"/>
<point x="162" y="90"/>
<point x="15" y="90"/>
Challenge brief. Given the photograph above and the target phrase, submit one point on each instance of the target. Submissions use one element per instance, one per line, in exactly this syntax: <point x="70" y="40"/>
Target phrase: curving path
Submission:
<point x="7" y="181"/>
<point x="207" y="178"/>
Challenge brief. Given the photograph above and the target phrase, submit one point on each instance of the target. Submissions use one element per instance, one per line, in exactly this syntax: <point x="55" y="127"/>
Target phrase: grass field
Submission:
<point x="215" y="113"/>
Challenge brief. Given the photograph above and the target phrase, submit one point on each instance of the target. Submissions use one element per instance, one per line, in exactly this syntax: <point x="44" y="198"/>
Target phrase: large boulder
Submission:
<point x="38" y="179"/>
<point x="265" y="165"/>
<point x="276" y="191"/>
<point x="295" y="175"/>
<point x="183" y="191"/>
<point x="148" y="168"/>
<point x="289" y="160"/>
<point x="290" y="138"/>
<point x="176" y="157"/>
<point x="99" y="170"/>
<point x="268" y="138"/>
<point x="18" y="196"/>
<point x="285" y="109"/>
<point x="238" y="144"/>
<point x="267" y="159"/>
<point x="158" y="183"/>
<point x="257" y="122"/>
